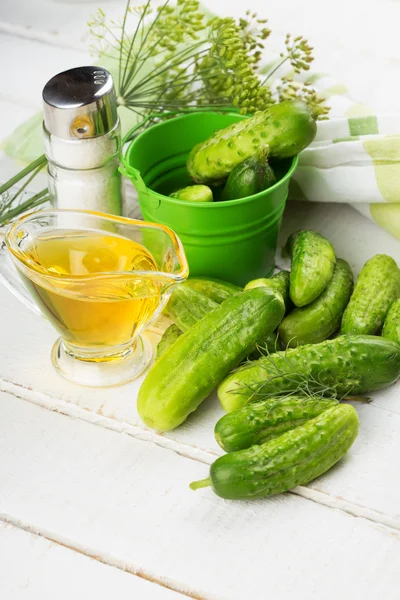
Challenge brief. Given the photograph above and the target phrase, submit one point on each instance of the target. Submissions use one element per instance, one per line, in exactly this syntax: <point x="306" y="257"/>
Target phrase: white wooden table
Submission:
<point x="93" y="505"/>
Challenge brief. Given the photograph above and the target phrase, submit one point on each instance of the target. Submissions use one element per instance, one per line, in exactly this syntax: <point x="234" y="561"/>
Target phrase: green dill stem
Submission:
<point x="183" y="105"/>
<point x="278" y="66"/>
<point x="128" y="136"/>
<point x="183" y="111"/>
<point x="202" y="483"/>
<point x="133" y="40"/>
<point x="132" y="68"/>
<point x="122" y="44"/>
<point x="150" y="53"/>
<point x="179" y="82"/>
<point x="169" y="65"/>
<point x="36" y="200"/>
<point x="27" y="182"/>
<point x="39" y="162"/>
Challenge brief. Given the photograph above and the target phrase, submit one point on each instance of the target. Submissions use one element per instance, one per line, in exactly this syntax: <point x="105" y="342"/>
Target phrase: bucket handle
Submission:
<point x="133" y="174"/>
<point x="146" y="197"/>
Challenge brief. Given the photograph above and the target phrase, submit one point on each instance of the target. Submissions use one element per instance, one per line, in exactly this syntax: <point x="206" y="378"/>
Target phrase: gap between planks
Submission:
<point x="187" y="451"/>
<point x="103" y="558"/>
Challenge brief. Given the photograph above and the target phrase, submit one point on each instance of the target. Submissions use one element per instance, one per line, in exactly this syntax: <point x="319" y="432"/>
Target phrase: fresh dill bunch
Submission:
<point x="177" y="59"/>
<point x="156" y="62"/>
<point x="230" y="64"/>
<point x="254" y="34"/>
<point x="298" y="52"/>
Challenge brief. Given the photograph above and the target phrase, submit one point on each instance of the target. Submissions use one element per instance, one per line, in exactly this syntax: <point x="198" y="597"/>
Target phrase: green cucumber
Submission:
<point x="250" y="177"/>
<point x="187" y="306"/>
<point x="259" y="422"/>
<point x="313" y="261"/>
<point x="347" y="365"/>
<point x="215" y="289"/>
<point x="279" y="282"/>
<point x="194" y="193"/>
<point x="168" y="338"/>
<point x="377" y="286"/>
<point x="200" y="358"/>
<point x="315" y="322"/>
<point x="294" y="458"/>
<point x="286" y="128"/>
<point x="391" y="327"/>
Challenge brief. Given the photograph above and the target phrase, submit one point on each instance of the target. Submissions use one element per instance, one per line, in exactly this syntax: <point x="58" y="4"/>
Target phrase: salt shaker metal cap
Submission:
<point x="80" y="103"/>
<point x="82" y="140"/>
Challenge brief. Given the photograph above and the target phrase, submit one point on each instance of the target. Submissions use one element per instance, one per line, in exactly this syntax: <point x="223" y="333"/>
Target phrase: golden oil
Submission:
<point x="96" y="289"/>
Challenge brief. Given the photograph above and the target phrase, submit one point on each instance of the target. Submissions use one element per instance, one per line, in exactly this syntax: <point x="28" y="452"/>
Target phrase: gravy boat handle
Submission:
<point x="10" y="278"/>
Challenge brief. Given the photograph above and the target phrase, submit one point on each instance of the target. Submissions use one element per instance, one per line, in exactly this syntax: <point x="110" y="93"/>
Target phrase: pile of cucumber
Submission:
<point x="237" y="157"/>
<point x="283" y="352"/>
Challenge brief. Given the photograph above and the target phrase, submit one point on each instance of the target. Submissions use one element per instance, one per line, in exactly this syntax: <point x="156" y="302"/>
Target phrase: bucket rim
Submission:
<point x="204" y="205"/>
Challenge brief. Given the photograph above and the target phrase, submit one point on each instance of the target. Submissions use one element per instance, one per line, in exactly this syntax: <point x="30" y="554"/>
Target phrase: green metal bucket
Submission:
<point x="233" y="240"/>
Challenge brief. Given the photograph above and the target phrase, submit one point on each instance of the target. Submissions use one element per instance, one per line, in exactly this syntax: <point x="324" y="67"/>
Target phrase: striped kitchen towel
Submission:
<point x="355" y="158"/>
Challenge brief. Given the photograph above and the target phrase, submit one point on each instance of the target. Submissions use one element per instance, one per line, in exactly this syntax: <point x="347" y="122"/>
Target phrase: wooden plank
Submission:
<point x="128" y="503"/>
<point x="55" y="22"/>
<point x="23" y="80"/>
<point x="11" y="115"/>
<point x="33" y="567"/>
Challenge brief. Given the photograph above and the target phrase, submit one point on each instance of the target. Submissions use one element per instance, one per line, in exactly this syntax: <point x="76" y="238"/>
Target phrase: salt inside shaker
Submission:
<point x="83" y="140"/>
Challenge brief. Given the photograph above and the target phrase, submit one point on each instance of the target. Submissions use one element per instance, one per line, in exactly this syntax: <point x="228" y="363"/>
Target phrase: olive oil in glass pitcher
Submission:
<point x="99" y="280"/>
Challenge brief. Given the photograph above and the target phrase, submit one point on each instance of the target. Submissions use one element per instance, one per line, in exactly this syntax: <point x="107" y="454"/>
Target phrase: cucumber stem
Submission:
<point x="196" y="485"/>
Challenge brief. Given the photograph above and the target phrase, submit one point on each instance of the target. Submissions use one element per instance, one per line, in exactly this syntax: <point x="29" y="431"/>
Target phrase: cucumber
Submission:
<point x="377" y="286"/>
<point x="294" y="458"/>
<point x="215" y="289"/>
<point x="286" y="128"/>
<point x="187" y="306"/>
<point x="317" y="321"/>
<point x="313" y="261"/>
<point x="194" y="193"/>
<point x="249" y="177"/>
<point x="279" y="282"/>
<point x="348" y="365"/>
<point x="200" y="358"/>
<point x="391" y="327"/>
<point x="168" y="338"/>
<point x="259" y="422"/>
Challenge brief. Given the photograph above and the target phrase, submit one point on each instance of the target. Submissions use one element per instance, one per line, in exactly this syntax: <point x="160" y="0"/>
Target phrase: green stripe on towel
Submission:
<point x="363" y="125"/>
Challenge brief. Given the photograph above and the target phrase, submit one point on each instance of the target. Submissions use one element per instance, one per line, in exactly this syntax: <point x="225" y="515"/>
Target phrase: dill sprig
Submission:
<point x="175" y="58"/>
<point x="287" y="381"/>
<point x="231" y="62"/>
<point x="289" y="89"/>
<point x="14" y="204"/>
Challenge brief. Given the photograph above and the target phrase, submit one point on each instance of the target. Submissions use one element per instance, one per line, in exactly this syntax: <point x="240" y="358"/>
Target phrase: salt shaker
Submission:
<point x="83" y="140"/>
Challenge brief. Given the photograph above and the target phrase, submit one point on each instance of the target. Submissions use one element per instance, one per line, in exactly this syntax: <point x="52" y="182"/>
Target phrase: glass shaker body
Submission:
<point x="83" y="173"/>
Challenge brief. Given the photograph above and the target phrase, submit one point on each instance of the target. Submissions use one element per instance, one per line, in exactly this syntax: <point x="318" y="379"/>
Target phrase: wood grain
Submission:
<point x="35" y="567"/>
<point x="128" y="503"/>
<point x="101" y="488"/>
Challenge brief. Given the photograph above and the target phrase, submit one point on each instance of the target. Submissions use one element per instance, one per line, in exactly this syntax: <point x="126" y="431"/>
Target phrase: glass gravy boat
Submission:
<point x="99" y="280"/>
